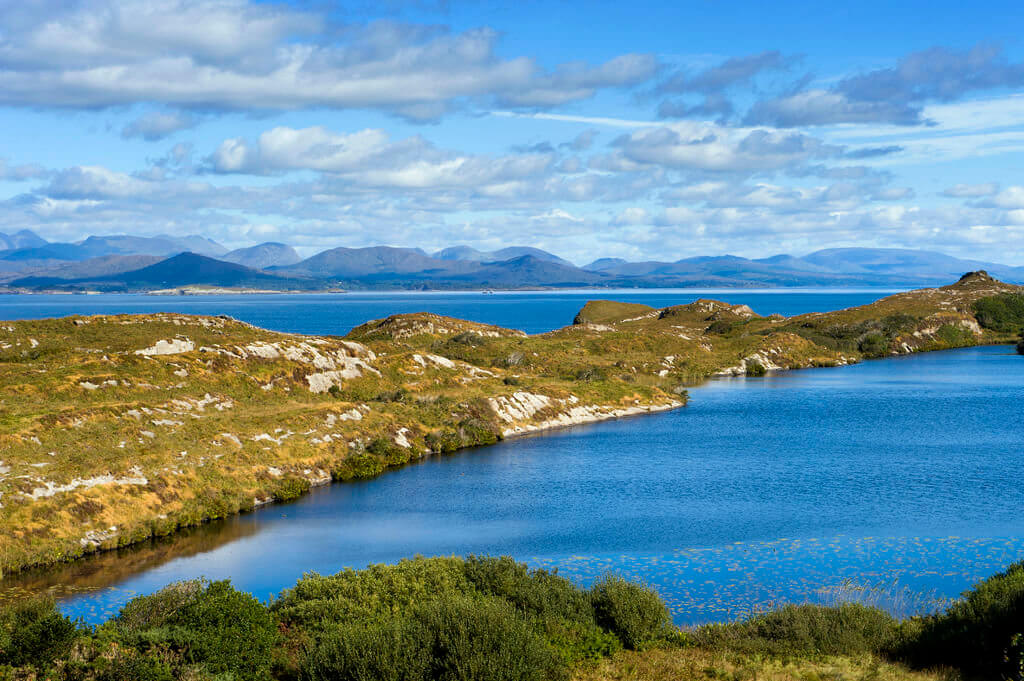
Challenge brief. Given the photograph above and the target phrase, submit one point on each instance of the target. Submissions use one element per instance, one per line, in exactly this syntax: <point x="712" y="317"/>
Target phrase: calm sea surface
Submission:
<point x="895" y="482"/>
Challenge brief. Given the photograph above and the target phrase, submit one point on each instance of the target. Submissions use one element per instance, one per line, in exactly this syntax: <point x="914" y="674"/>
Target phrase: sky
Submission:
<point x="639" y="130"/>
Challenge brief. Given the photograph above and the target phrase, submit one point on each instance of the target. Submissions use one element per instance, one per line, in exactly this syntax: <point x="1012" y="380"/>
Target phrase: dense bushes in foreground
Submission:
<point x="480" y="618"/>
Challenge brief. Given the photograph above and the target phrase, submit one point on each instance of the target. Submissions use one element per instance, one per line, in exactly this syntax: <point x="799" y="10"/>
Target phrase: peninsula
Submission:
<point x="115" y="429"/>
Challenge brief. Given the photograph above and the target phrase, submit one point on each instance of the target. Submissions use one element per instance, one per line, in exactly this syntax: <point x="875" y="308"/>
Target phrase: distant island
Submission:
<point x="131" y="264"/>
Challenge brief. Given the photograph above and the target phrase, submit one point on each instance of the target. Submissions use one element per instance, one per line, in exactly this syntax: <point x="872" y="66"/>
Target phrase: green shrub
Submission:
<point x="34" y="633"/>
<point x="979" y="634"/>
<point x="291" y="488"/>
<point x="806" y="630"/>
<point x="379" y="590"/>
<point x="954" y="336"/>
<point x="1020" y="345"/>
<point x="873" y="345"/>
<point x="722" y="326"/>
<point x="755" y="368"/>
<point x="390" y="452"/>
<point x="631" y="611"/>
<point x="531" y="592"/>
<point x="209" y="624"/>
<point x="457" y="638"/>
<point x="358" y="467"/>
<point x="1003" y="313"/>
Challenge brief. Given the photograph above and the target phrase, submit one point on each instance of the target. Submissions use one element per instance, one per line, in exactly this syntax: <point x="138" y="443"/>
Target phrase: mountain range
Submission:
<point x="132" y="263"/>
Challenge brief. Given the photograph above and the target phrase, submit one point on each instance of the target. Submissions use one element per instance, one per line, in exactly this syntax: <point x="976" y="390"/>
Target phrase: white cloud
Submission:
<point x="236" y="54"/>
<point x="157" y="125"/>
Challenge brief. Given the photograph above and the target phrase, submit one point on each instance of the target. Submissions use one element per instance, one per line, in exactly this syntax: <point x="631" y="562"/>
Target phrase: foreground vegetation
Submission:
<point x="484" y="619"/>
<point x="115" y="429"/>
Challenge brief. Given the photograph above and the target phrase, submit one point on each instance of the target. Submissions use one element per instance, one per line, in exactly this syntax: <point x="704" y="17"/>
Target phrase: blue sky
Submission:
<point x="639" y="130"/>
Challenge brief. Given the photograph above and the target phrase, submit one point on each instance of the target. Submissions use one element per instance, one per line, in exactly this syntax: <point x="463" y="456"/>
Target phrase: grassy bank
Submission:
<point x="485" y="619"/>
<point x="115" y="429"/>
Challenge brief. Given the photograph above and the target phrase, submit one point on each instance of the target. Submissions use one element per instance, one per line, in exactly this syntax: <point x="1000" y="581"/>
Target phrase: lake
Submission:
<point x="893" y="482"/>
<point x="529" y="311"/>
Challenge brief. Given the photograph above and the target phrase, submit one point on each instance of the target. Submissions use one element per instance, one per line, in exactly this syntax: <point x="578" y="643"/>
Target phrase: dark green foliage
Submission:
<point x="873" y="345"/>
<point x="980" y="633"/>
<point x="590" y="374"/>
<point x="954" y="336"/>
<point x="34" y="632"/>
<point x="806" y="630"/>
<point x="358" y="467"/>
<point x="631" y="611"/>
<point x="452" y="639"/>
<point x="209" y="624"/>
<point x="390" y="452"/>
<point x="722" y="326"/>
<point x="1003" y="313"/>
<point x="1020" y="345"/>
<point x="291" y="488"/>
<point x="755" y="368"/>
<point x="317" y="601"/>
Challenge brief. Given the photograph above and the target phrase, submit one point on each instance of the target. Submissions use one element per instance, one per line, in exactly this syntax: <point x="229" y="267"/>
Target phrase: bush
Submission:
<point x="631" y="611"/>
<point x="1003" y="313"/>
<point x="806" y="630"/>
<point x="980" y="633"/>
<point x="207" y="623"/>
<point x="34" y="633"/>
<point x="755" y="368"/>
<point x="873" y="345"/>
<point x="1020" y="345"/>
<point x="456" y="638"/>
<point x="533" y="593"/>
<point x="390" y="452"/>
<point x="291" y="488"/>
<point x="379" y="590"/>
<point x="722" y="326"/>
<point x="358" y="467"/>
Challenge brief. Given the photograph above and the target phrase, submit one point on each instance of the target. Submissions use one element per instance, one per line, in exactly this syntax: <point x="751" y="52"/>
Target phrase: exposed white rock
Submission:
<point x="174" y="346"/>
<point x="400" y="438"/>
<point x="582" y="414"/>
<point x="88" y="385"/>
<point x="50" y="489"/>
<point x="351" y="368"/>
<point x="437" y="360"/>
<point x="518" y="406"/>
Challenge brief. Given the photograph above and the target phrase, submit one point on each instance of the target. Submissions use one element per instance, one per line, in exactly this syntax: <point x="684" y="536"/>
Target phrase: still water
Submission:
<point x="529" y="311"/>
<point x="894" y="481"/>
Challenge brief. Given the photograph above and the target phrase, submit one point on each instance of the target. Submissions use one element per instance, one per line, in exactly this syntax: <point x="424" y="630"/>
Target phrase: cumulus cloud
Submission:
<point x="238" y="54"/>
<point x="897" y="94"/>
<point x="369" y="157"/>
<point x="708" y="147"/>
<point x="22" y="172"/>
<point x="971" y="191"/>
<point x="157" y="125"/>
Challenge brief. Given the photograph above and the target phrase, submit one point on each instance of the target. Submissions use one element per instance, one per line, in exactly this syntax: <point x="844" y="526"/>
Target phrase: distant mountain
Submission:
<point x="904" y="262"/>
<point x="94" y="267"/>
<point x="602" y="264"/>
<point x="22" y="239"/>
<point x="270" y="254"/>
<point x="528" y="270"/>
<point x="98" y="246"/>
<point x="355" y="263"/>
<point x="184" y="269"/>
<point x="510" y="253"/>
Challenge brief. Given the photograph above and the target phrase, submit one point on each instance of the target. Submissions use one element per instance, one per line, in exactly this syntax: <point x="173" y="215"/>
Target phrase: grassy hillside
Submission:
<point x="492" y="619"/>
<point x="114" y="429"/>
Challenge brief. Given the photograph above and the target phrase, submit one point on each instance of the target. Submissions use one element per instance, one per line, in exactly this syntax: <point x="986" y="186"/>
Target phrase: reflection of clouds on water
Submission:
<point x="904" y="575"/>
